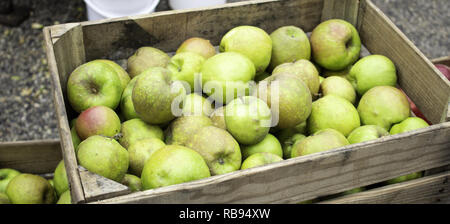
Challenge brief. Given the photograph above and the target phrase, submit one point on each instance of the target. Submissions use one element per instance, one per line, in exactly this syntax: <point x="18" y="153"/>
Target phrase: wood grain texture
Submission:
<point x="315" y="175"/>
<point x="97" y="187"/>
<point x="37" y="157"/>
<point x="341" y="9"/>
<point x="417" y="76"/>
<point x="426" y="190"/>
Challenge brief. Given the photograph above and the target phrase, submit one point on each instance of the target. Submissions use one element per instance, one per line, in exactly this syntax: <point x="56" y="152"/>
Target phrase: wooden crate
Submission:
<point x="288" y="181"/>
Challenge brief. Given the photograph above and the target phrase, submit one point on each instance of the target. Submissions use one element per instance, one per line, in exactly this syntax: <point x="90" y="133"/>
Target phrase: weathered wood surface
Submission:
<point x="38" y="157"/>
<point x="341" y="9"/>
<point x="425" y="190"/>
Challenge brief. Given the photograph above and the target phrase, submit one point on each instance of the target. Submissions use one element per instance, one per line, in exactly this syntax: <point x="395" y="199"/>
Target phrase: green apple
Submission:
<point x="220" y="150"/>
<point x="260" y="159"/>
<point x="4" y="199"/>
<point x="103" y="156"/>
<point x="336" y="85"/>
<point x="335" y="44"/>
<point x="333" y="112"/>
<point x="226" y="76"/>
<point x="153" y="95"/>
<point x="173" y="164"/>
<point x="383" y="106"/>
<point x="404" y="178"/>
<point x="248" y="119"/>
<point x="145" y="58"/>
<point x="321" y="79"/>
<point x="250" y="41"/>
<point x="97" y="120"/>
<point x="185" y="67"/>
<point x="195" y="105"/>
<point x="136" y="129"/>
<point x="323" y="140"/>
<point x="65" y="198"/>
<point x="197" y="45"/>
<point x="269" y="144"/>
<point x="30" y="189"/>
<point x="75" y="138"/>
<point x="133" y="182"/>
<point x="287" y="144"/>
<point x="352" y="191"/>
<point x="181" y="130"/>
<point x="94" y="84"/>
<point x="126" y="102"/>
<point x="289" y="44"/>
<point x="371" y="71"/>
<point x="60" y="181"/>
<point x="6" y="175"/>
<point x="288" y="97"/>
<point x="305" y="70"/>
<point x="366" y="133"/>
<point x="123" y="75"/>
<point x="218" y="118"/>
<point x="409" y="124"/>
<point x="140" y="151"/>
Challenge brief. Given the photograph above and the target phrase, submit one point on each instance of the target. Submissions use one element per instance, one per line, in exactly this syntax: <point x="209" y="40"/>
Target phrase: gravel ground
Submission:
<point x="26" y="107"/>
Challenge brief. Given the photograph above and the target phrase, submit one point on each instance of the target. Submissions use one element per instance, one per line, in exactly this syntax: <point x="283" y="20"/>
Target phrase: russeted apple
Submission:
<point x="97" y="120"/>
<point x="409" y="124"/>
<point x="289" y="44"/>
<point x="186" y="66"/>
<point x="133" y="182"/>
<point x="220" y="150"/>
<point x="140" y="151"/>
<point x="383" y="106"/>
<point x="288" y="138"/>
<point x="195" y="104"/>
<point x="320" y="141"/>
<point x="335" y="44"/>
<point x="260" y="159"/>
<point x="181" y="130"/>
<point x="30" y="189"/>
<point x="6" y="175"/>
<point x="145" y="58"/>
<point x="173" y="164"/>
<point x="197" y="45"/>
<point x="136" y="129"/>
<point x="269" y="144"/>
<point x="305" y="70"/>
<point x="336" y="85"/>
<point x="366" y="133"/>
<point x="250" y="41"/>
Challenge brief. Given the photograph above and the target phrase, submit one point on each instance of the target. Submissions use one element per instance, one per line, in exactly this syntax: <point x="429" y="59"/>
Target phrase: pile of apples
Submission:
<point x="258" y="99"/>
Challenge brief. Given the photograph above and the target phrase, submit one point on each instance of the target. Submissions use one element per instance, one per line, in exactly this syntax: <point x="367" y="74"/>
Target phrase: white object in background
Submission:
<point x="104" y="9"/>
<point x="187" y="4"/>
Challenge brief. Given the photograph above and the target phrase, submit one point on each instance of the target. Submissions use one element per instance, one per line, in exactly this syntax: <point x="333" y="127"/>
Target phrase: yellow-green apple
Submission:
<point x="335" y="44"/>
<point x="4" y="199"/>
<point x="333" y="112"/>
<point x="133" y="182"/>
<point x="6" y="175"/>
<point x="288" y="97"/>
<point x="181" y="130"/>
<point x="136" y="129"/>
<point x="30" y="189"/>
<point x="140" y="151"/>
<point x="371" y="71"/>
<point x="197" y="45"/>
<point x="336" y="85"/>
<point x="404" y="178"/>
<point x="75" y="138"/>
<point x="288" y="141"/>
<point x="186" y="67"/>
<point x="323" y="140"/>
<point x="126" y="102"/>
<point x="173" y="164"/>
<point x="321" y="79"/>
<point x="305" y="70"/>
<point x="250" y="41"/>
<point x="218" y="148"/>
<point x="218" y="118"/>
<point x="409" y="124"/>
<point x="103" y="156"/>
<point x="366" y="133"/>
<point x="123" y="75"/>
<point x="269" y="144"/>
<point x="97" y="120"/>
<point x="260" y="159"/>
<point x="145" y="58"/>
<point x="94" y="84"/>
<point x="60" y="181"/>
<point x="383" y="106"/>
<point x="353" y="191"/>
<point x="65" y="198"/>
<point x="226" y="76"/>
<point x="289" y="44"/>
<point x="195" y="105"/>
<point x="153" y="95"/>
<point x="248" y="119"/>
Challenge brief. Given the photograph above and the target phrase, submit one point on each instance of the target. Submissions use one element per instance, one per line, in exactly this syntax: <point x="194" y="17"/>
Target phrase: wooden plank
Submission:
<point x="54" y="64"/>
<point x="315" y="175"/>
<point x="417" y="76"/>
<point x="97" y="187"/>
<point x="167" y="30"/>
<point x="341" y="9"/>
<point x="38" y="157"/>
<point x="426" y="190"/>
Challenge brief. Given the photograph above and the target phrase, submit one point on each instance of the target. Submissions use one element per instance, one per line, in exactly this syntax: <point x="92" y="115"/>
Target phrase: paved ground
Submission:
<point x="26" y="107"/>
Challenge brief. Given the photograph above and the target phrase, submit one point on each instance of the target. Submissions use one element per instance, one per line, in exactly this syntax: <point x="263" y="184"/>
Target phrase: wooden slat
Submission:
<point x="417" y="76"/>
<point x="97" y="187"/>
<point x="341" y="9"/>
<point x="315" y="175"/>
<point x="426" y="190"/>
<point x="68" y="151"/>
<point x="37" y="157"/>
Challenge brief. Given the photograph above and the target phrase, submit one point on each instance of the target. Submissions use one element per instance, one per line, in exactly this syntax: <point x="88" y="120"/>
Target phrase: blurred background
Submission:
<point x="26" y="100"/>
